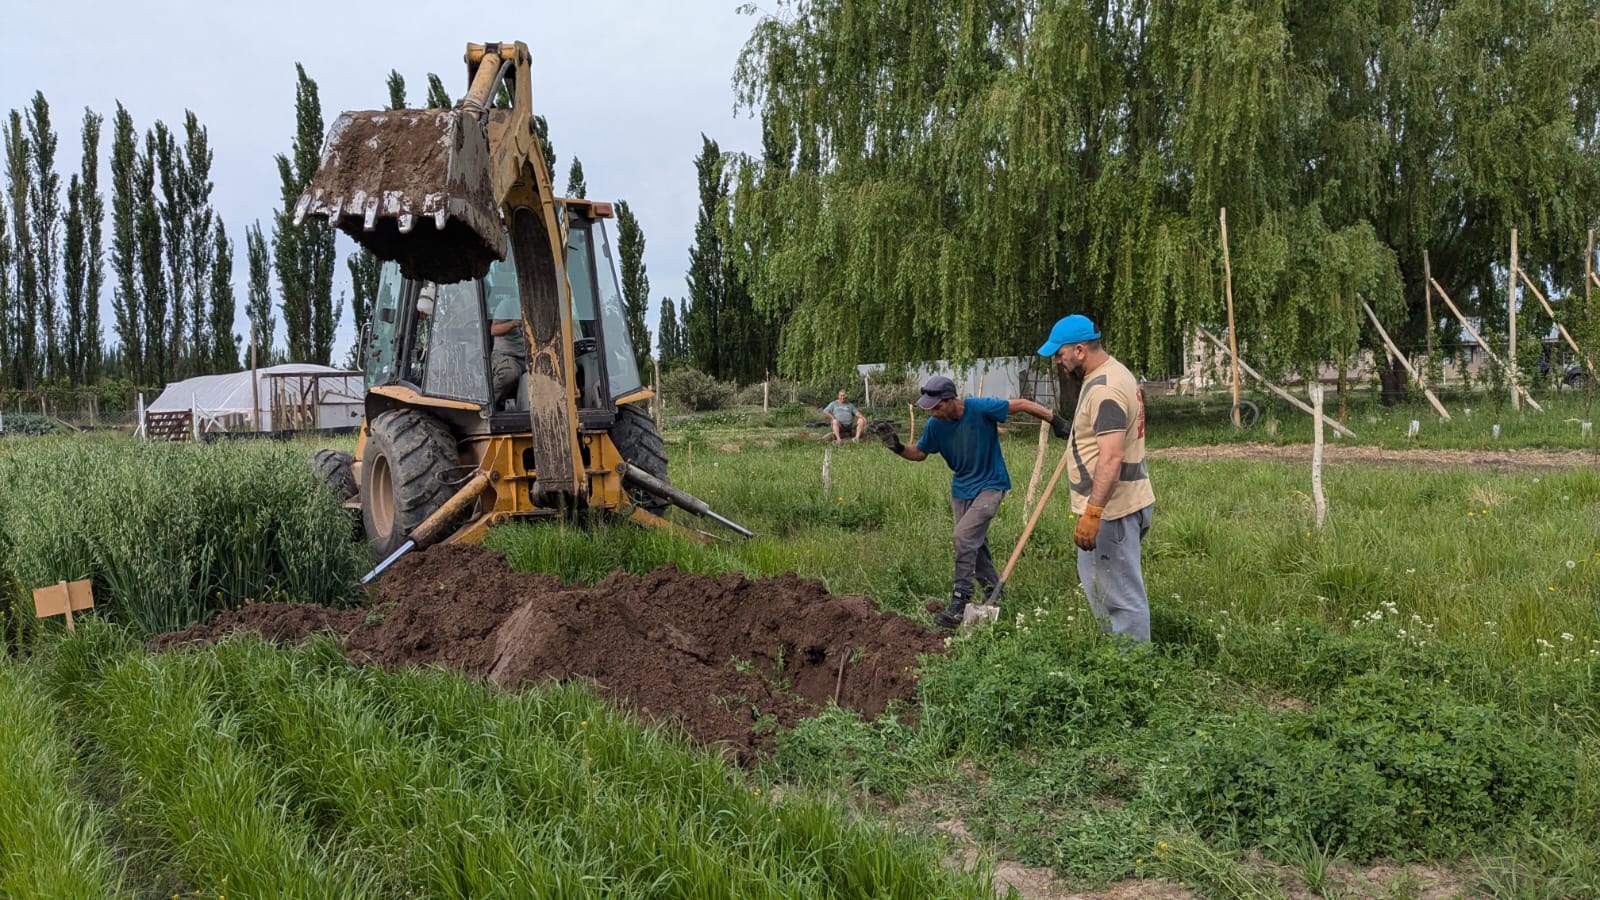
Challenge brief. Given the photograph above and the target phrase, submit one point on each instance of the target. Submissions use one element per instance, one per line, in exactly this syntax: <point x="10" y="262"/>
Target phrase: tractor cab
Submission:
<point x="466" y="342"/>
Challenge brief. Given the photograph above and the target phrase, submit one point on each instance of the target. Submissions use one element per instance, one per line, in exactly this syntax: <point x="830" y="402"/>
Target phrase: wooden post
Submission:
<point x="1296" y="401"/>
<point x="1427" y="299"/>
<point x="766" y="389"/>
<point x="866" y="389"/>
<point x="1511" y="329"/>
<point x="255" y="386"/>
<point x="827" y="464"/>
<point x="913" y="408"/>
<point x="1319" y="503"/>
<point x="1437" y="406"/>
<point x="1233" y="334"/>
<point x="661" y="399"/>
<point x="1477" y="337"/>
<point x="690" y="444"/>
<point x="1038" y="466"/>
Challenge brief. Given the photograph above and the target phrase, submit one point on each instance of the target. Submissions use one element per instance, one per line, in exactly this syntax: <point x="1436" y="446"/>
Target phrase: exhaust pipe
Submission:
<point x="677" y="497"/>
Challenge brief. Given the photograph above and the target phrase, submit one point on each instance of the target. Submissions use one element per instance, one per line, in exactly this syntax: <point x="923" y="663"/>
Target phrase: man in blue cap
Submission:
<point x="964" y="433"/>
<point x="1111" y="492"/>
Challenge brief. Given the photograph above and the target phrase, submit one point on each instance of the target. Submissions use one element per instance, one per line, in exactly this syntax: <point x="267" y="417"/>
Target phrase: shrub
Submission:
<point x="1388" y="766"/>
<point x="695" y="389"/>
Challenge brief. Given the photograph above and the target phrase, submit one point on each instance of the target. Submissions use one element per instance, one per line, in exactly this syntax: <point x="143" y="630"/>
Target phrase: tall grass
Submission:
<point x="54" y="842"/>
<point x="170" y="533"/>
<point x="292" y="772"/>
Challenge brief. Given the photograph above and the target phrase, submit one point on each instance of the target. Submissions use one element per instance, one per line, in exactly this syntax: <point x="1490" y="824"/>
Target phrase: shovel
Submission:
<point x="1033" y="520"/>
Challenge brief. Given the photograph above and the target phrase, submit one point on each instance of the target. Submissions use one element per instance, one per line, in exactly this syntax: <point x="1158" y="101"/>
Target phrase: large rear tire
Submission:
<point x="405" y="454"/>
<point x="637" y="439"/>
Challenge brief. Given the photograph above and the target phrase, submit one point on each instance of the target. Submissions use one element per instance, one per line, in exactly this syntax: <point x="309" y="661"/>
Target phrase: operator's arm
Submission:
<point x="1059" y="425"/>
<point x="503" y="327"/>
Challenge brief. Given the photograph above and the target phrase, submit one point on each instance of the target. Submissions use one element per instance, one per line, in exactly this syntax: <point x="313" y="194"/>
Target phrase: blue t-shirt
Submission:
<point x="971" y="447"/>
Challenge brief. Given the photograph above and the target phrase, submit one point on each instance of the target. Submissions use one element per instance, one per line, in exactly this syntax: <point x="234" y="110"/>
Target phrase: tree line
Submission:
<point x="945" y="179"/>
<point x="170" y="259"/>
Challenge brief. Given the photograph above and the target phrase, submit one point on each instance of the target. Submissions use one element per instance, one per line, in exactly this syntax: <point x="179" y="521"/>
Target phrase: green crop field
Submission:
<point x="1405" y="702"/>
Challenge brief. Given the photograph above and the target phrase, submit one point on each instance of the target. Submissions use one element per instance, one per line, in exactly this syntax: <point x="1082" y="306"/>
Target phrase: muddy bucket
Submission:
<point x="412" y="186"/>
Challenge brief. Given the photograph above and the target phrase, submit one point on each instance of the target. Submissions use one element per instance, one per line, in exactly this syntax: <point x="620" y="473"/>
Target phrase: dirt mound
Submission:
<point x="711" y="653"/>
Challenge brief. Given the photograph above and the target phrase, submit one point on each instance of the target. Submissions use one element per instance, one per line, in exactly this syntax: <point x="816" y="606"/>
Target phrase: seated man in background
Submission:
<point x="508" y="359"/>
<point x="845" y="413"/>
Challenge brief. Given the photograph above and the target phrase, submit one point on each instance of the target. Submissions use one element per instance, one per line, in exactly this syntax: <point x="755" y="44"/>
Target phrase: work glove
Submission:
<point x="885" y="431"/>
<point x="1061" y="426"/>
<point x="1088" y="530"/>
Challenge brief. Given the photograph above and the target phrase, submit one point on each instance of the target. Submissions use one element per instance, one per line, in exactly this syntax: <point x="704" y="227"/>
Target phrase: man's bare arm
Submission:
<point x="1108" y="470"/>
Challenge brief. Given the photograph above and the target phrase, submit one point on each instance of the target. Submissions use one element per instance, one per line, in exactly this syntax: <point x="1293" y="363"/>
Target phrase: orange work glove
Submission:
<point x="1088" y="527"/>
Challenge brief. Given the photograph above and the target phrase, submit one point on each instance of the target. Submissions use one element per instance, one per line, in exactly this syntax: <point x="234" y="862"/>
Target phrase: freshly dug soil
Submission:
<point x="709" y="653"/>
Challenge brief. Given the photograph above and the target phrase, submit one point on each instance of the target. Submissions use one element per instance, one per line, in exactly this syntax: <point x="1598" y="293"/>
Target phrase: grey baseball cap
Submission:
<point x="935" y="389"/>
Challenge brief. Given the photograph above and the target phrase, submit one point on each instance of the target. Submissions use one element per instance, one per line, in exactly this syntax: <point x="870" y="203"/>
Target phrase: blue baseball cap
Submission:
<point x="1074" y="329"/>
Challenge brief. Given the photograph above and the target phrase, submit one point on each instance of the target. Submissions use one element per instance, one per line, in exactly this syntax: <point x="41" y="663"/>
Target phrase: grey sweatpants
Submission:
<point x="972" y="542"/>
<point x="1112" y="578"/>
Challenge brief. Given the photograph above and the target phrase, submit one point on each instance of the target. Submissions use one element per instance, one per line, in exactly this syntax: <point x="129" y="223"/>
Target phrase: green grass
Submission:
<point x="1419" y="681"/>
<point x="54" y="842"/>
<point x="1436" y="617"/>
<point x="271" y="772"/>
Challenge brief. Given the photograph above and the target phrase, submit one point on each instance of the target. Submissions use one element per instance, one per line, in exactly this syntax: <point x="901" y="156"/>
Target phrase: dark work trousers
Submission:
<point x="972" y="542"/>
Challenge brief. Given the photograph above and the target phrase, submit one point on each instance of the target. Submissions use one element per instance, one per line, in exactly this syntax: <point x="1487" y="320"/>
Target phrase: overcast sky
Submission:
<point x="627" y="85"/>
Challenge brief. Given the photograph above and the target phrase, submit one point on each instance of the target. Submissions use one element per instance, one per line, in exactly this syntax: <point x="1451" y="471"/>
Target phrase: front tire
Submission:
<point x="405" y="454"/>
<point x="635" y="436"/>
<point x="335" y="468"/>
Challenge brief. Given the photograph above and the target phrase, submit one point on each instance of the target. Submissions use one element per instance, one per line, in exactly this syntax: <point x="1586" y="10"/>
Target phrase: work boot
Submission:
<point x="952" y="614"/>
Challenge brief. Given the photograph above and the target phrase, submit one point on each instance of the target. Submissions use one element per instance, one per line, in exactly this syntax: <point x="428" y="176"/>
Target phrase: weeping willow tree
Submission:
<point x="945" y="179"/>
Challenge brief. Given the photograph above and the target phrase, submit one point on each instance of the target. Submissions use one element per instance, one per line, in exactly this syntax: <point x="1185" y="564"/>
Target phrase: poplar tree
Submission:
<point x="153" y="285"/>
<point x="438" y="97"/>
<point x="73" y="277"/>
<point x="668" y="337"/>
<point x="575" y="183"/>
<point x="221" y="340"/>
<point x="127" y="300"/>
<point x="548" y="150"/>
<point x="44" y="209"/>
<point x="304" y="254"/>
<point x="258" y="303"/>
<point x="24" y="311"/>
<point x="91" y="343"/>
<point x="397" y="90"/>
<point x="7" y="360"/>
<point x="200" y="242"/>
<point x="704" y="337"/>
<point x="174" y="215"/>
<point x="635" y="283"/>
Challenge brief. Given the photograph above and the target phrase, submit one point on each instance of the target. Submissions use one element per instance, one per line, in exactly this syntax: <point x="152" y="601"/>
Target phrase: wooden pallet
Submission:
<point x="169" y="426"/>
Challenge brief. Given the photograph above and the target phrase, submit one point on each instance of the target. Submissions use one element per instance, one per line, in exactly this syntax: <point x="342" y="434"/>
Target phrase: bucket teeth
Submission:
<point x="412" y="186"/>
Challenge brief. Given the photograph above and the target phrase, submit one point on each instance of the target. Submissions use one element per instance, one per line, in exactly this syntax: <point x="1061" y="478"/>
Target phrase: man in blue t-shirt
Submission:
<point x="964" y="433"/>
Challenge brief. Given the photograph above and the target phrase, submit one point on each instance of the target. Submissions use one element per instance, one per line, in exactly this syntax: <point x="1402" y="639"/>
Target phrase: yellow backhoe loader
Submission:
<point x="500" y="375"/>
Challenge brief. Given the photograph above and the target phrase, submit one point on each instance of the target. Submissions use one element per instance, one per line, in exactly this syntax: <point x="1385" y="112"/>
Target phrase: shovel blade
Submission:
<point x="411" y="186"/>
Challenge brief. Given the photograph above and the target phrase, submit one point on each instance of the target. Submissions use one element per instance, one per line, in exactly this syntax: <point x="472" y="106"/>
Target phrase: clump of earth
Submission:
<point x="711" y="654"/>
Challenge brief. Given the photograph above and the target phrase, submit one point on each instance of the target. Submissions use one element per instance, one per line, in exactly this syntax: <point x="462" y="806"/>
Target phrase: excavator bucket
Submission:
<point x="412" y="186"/>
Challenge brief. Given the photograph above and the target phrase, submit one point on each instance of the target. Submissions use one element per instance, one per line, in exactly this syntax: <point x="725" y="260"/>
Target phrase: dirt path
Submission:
<point x="1527" y="460"/>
